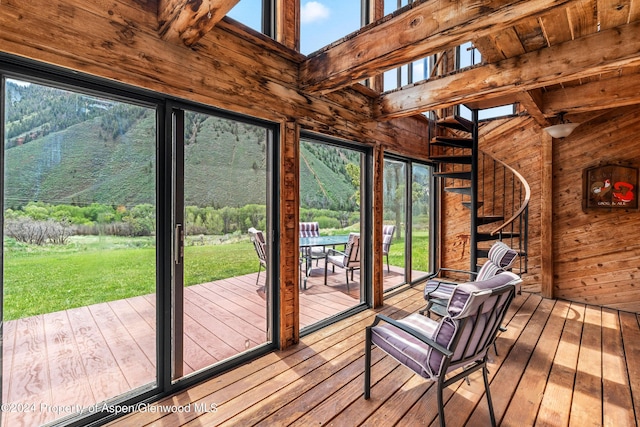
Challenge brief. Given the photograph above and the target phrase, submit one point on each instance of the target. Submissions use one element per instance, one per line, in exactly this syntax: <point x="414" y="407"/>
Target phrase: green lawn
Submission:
<point x="90" y="270"/>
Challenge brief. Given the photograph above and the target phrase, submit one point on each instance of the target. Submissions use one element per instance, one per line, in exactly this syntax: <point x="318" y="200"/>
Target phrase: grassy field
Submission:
<point x="92" y="269"/>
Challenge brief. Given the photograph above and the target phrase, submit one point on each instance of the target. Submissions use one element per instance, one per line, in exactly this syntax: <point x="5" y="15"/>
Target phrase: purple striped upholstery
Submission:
<point x="309" y="229"/>
<point x="387" y="237"/>
<point x="501" y="257"/>
<point x="466" y="300"/>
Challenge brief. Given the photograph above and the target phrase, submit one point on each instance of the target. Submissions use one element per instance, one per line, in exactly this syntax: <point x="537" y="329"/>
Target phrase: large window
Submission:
<point x="132" y="262"/>
<point x="333" y="229"/>
<point x="407" y="222"/>
<point x="79" y="246"/>
<point x="322" y="22"/>
<point x="256" y="14"/>
<point x="220" y="302"/>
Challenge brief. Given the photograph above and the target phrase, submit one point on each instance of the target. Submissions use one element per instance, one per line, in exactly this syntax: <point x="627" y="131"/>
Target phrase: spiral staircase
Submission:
<point x="496" y="195"/>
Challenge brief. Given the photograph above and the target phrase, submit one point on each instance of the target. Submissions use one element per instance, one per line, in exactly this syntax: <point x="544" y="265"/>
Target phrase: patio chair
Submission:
<point x="311" y="229"/>
<point x="257" y="238"/>
<point x="387" y="238"/>
<point x="349" y="259"/>
<point x="438" y="290"/>
<point x="457" y="342"/>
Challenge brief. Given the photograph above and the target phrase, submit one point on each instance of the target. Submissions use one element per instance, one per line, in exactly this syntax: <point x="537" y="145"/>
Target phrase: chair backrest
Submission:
<point x="259" y="243"/>
<point x="474" y="315"/>
<point x="387" y="237"/>
<point x="352" y="250"/>
<point x="309" y="229"/>
<point x="501" y="257"/>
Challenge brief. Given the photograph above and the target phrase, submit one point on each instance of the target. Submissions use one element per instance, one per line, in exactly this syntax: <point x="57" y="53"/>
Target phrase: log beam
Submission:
<point x="613" y="92"/>
<point x="423" y="28"/>
<point x="597" y="53"/>
<point x="187" y="21"/>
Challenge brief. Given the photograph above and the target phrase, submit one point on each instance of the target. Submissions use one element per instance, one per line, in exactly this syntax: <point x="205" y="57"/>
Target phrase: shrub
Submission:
<point x="33" y="232"/>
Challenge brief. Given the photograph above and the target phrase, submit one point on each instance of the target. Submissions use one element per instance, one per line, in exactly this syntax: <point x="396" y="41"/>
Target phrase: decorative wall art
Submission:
<point x="610" y="187"/>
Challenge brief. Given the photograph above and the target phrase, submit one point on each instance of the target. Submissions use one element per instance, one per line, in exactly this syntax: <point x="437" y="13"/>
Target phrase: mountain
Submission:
<point x="65" y="147"/>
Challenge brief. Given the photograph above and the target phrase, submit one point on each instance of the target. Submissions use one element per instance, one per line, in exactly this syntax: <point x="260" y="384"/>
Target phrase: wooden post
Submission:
<point x="546" y="217"/>
<point x="288" y="23"/>
<point x="376" y="237"/>
<point x="289" y="201"/>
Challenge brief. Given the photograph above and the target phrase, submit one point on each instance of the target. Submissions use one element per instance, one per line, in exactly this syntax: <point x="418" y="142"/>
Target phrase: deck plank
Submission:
<point x="526" y="400"/>
<point x="136" y="368"/>
<point x="320" y="380"/>
<point x="630" y="324"/>
<point x="586" y="407"/>
<point x="554" y="409"/>
<point x="617" y="406"/>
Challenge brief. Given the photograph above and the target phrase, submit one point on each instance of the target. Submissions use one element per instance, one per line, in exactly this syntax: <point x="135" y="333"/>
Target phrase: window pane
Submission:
<point x="420" y="220"/>
<point x="324" y="21"/>
<point x="249" y="12"/>
<point x="330" y="194"/>
<point x="79" y="242"/>
<point x="395" y="219"/>
<point x="226" y="285"/>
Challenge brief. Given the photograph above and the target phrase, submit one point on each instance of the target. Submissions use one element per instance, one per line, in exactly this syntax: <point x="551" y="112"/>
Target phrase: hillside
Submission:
<point x="63" y="147"/>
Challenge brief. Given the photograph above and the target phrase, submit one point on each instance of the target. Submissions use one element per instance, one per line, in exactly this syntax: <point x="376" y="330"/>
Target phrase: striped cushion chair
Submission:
<point x="438" y="290"/>
<point x="311" y="229"/>
<point x="387" y="238"/>
<point x="457" y="342"/>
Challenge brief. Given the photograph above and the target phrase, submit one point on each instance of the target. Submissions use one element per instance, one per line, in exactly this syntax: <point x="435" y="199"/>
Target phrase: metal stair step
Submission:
<point x="458" y="190"/>
<point x="488" y="219"/>
<point x="453" y="175"/>
<point x="488" y="237"/>
<point x="467" y="204"/>
<point x="452" y="141"/>
<point x="457" y="123"/>
<point x="463" y="160"/>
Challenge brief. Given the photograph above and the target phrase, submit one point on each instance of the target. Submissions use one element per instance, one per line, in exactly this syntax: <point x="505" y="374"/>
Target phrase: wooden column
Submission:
<point x="288" y="23"/>
<point x="546" y="216"/>
<point x="376" y="237"/>
<point x="289" y="216"/>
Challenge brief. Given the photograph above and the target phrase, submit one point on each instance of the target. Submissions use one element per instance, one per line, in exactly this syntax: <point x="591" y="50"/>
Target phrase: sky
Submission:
<point x="321" y="21"/>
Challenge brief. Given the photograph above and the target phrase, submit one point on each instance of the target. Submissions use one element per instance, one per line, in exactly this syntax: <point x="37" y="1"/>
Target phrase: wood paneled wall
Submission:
<point x="231" y="67"/>
<point x="597" y="253"/>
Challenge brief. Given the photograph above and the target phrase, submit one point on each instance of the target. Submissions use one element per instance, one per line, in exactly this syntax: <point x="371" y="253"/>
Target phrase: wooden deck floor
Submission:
<point x="559" y="364"/>
<point x="86" y="355"/>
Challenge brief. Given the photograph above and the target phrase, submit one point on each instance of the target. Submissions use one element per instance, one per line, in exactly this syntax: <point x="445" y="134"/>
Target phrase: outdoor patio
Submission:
<point x="82" y="356"/>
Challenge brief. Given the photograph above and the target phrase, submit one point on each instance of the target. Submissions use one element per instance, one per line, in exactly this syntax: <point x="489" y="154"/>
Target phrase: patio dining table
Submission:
<point x="323" y="241"/>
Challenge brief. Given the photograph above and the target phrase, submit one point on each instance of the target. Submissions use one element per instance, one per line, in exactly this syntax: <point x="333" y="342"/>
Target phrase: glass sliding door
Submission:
<point x="332" y="218"/>
<point x="421" y="209"/>
<point x="394" y="222"/>
<point x="407" y="213"/>
<point x="222" y="280"/>
<point x="79" y="251"/>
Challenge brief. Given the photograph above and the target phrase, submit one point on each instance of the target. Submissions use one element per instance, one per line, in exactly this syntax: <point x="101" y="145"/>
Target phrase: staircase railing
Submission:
<point x="506" y="195"/>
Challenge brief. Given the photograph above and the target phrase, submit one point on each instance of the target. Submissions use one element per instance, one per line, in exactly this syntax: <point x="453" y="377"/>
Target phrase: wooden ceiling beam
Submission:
<point x="593" y="96"/>
<point x="187" y="21"/>
<point x="605" y="51"/>
<point x="421" y="29"/>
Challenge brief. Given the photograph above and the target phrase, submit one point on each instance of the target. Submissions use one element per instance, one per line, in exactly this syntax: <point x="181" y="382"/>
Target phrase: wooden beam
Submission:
<point x="592" y="96"/>
<point x="590" y="55"/>
<point x="188" y="20"/>
<point x="422" y="28"/>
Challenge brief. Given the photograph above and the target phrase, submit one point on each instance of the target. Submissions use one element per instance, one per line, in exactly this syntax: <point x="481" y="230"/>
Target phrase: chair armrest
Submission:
<point x="416" y="334"/>
<point x="333" y="251"/>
